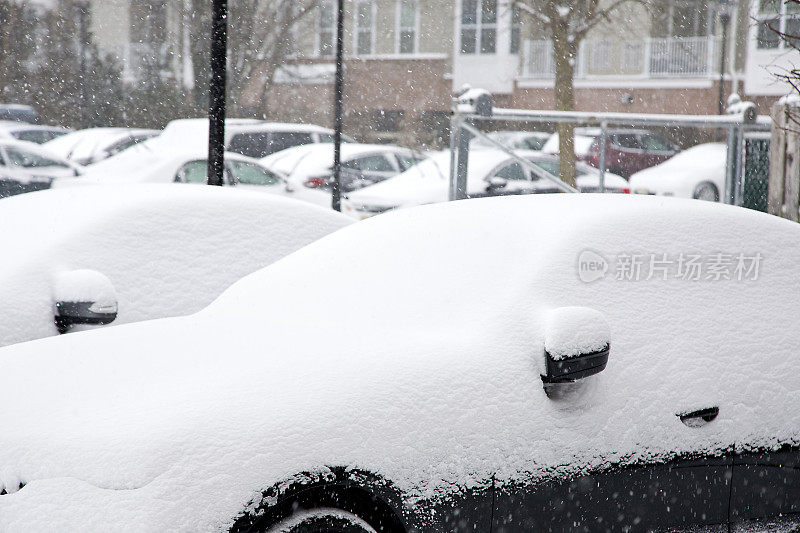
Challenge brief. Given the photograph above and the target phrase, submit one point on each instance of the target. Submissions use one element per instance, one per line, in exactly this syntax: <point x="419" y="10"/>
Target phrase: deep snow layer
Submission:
<point x="409" y="345"/>
<point x="167" y="249"/>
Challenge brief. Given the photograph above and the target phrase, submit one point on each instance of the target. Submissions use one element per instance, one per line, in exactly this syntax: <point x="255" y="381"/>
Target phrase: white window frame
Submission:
<point x="783" y="17"/>
<point x="319" y="29"/>
<point x="479" y="26"/>
<point x="357" y="30"/>
<point x="399" y="28"/>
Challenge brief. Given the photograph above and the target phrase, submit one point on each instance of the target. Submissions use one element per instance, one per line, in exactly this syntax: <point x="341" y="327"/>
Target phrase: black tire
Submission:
<point x="706" y="191"/>
<point x="322" y="520"/>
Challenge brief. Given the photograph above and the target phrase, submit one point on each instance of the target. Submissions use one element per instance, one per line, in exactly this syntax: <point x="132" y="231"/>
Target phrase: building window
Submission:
<point x="325" y="28"/>
<point x="776" y="17"/>
<point x="407" y="27"/>
<point x="478" y="26"/>
<point x="516" y="30"/>
<point x="365" y="20"/>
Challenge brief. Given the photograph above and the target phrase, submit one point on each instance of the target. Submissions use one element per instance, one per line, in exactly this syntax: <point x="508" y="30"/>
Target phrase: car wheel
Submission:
<point x="323" y="520"/>
<point x="706" y="191"/>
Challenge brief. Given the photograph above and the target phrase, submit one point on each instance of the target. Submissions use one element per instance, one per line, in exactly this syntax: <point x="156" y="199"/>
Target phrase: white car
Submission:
<point x="493" y="364"/>
<point x="95" y="144"/>
<point x="182" y="167"/>
<point x="26" y="167"/>
<point x="138" y="252"/>
<point x="250" y="137"/>
<point x="309" y="168"/>
<point x="514" y="140"/>
<point x="34" y="133"/>
<point x="491" y="172"/>
<point x="698" y="172"/>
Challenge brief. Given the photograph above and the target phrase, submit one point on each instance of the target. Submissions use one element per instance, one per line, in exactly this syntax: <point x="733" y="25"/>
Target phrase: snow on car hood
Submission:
<point x="167" y="249"/>
<point x="409" y="345"/>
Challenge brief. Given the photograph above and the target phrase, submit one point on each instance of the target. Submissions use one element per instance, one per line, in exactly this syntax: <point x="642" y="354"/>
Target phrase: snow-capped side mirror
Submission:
<point x="576" y="344"/>
<point x="496" y="182"/>
<point x="83" y="297"/>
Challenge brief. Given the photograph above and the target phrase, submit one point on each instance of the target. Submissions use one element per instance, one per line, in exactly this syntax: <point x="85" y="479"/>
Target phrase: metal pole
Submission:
<point x="455" y="126"/>
<point x="724" y="19"/>
<point x="216" y="93"/>
<point x="336" y="193"/>
<point x="603" y="142"/>
<point x="2" y="47"/>
<point x="83" y="36"/>
<point x="730" y="165"/>
<point x="462" y="164"/>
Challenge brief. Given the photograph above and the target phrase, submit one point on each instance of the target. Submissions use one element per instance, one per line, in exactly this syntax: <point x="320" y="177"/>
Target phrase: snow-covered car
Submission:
<point x="138" y="252"/>
<point x="514" y="140"/>
<point x="491" y="172"/>
<point x="429" y="370"/>
<point x="182" y="167"/>
<point x="95" y="144"/>
<point x="698" y="172"/>
<point x="250" y="137"/>
<point x="628" y="150"/>
<point x="20" y="131"/>
<point x="309" y="168"/>
<point x="26" y="167"/>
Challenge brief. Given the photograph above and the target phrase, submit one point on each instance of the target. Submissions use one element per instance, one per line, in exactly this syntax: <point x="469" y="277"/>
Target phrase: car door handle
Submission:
<point x="699" y="418"/>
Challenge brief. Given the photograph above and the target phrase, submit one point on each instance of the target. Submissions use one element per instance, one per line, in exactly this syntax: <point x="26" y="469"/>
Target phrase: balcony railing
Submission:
<point x="689" y="57"/>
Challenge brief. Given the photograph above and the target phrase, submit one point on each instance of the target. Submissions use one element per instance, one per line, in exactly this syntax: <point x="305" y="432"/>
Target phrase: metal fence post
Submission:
<point x="603" y="142"/>
<point x="462" y="164"/>
<point x="730" y="165"/>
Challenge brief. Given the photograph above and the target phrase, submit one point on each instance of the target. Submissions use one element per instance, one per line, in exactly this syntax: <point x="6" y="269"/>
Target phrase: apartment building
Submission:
<point x="405" y="58"/>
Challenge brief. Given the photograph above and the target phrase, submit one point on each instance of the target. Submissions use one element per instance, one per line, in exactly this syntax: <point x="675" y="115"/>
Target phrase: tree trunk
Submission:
<point x="564" y="52"/>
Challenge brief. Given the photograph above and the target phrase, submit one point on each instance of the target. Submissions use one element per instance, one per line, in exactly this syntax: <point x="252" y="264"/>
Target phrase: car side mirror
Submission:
<point x="496" y="182"/>
<point x="576" y="344"/>
<point x="83" y="297"/>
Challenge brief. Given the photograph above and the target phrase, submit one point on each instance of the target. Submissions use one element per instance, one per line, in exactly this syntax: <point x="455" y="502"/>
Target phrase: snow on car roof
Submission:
<point x="168" y="249"/>
<point x="695" y="164"/>
<point x="419" y="363"/>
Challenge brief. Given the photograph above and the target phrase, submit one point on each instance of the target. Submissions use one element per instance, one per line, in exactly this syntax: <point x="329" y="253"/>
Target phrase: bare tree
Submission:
<point x="567" y="22"/>
<point x="261" y="38"/>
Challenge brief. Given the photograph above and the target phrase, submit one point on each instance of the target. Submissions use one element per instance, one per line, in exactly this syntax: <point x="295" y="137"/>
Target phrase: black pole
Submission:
<point x="216" y="92"/>
<point x="724" y="19"/>
<point x="336" y="193"/>
<point x="83" y="36"/>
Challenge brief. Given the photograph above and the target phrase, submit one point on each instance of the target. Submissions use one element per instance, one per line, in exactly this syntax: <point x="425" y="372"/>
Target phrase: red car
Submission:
<point x="627" y="150"/>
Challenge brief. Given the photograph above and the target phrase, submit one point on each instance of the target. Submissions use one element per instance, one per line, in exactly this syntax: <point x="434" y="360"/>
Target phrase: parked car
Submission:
<point x="309" y="168"/>
<point x="137" y="252"/>
<point x="698" y="172"/>
<point x="26" y="167"/>
<point x="250" y="137"/>
<point x="439" y="369"/>
<point x="187" y="167"/>
<point x="95" y="144"/>
<point x="514" y="140"/>
<point x="19" y="113"/>
<point x="627" y="150"/>
<point x="491" y="172"/>
<point x="34" y="133"/>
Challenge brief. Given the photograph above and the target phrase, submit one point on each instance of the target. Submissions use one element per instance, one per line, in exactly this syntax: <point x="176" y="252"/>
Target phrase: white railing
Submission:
<point x="687" y="57"/>
<point x="657" y="58"/>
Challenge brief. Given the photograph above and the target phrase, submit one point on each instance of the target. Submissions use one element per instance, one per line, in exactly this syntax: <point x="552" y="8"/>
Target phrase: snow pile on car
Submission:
<point x="405" y="346"/>
<point x="167" y="249"/>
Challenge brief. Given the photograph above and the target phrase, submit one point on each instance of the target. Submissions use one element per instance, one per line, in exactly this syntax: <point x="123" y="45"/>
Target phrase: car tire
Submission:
<point x="322" y="520"/>
<point x="706" y="191"/>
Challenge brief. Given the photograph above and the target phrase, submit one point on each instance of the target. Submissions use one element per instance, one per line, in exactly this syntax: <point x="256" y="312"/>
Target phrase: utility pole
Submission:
<point x="216" y="99"/>
<point x="83" y="36"/>
<point x="336" y="193"/>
